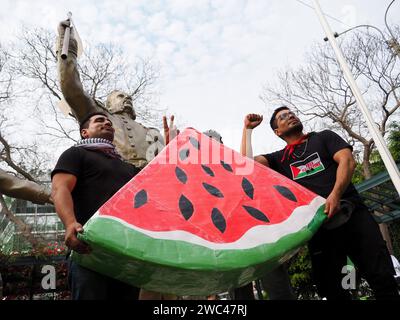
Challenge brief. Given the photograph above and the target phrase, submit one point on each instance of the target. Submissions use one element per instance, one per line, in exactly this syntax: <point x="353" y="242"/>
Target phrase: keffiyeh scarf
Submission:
<point x="99" y="144"/>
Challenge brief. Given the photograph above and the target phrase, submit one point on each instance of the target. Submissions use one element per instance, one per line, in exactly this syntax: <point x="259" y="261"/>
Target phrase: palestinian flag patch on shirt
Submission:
<point x="307" y="167"/>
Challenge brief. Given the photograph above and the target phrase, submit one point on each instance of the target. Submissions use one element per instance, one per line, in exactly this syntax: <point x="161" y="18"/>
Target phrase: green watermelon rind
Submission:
<point x="169" y="265"/>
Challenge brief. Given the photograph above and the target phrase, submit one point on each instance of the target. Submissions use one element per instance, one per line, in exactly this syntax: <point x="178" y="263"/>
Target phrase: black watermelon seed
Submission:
<point x="181" y="175"/>
<point x="255" y="213"/>
<point x="184" y="154"/>
<point x="284" y="191"/>
<point x="140" y="199"/>
<point x="194" y="142"/>
<point x="218" y="220"/>
<point x="213" y="190"/>
<point x="226" y="166"/>
<point x="186" y="207"/>
<point x="248" y="188"/>
<point x="207" y="170"/>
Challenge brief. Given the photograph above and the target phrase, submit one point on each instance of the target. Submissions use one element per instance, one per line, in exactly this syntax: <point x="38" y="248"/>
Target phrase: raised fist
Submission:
<point x="252" y="120"/>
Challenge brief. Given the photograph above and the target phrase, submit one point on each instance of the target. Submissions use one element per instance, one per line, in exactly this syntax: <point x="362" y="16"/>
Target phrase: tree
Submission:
<point x="376" y="163"/>
<point x="300" y="272"/>
<point x="31" y="125"/>
<point x="7" y="151"/>
<point x="103" y="68"/>
<point x="319" y="91"/>
<point x="377" y="166"/>
<point x="36" y="242"/>
<point x="31" y="64"/>
<point x="5" y="77"/>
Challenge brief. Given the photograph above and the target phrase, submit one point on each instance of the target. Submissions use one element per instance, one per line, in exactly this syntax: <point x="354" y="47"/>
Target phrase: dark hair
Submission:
<point x="84" y="124"/>
<point x="272" y="122"/>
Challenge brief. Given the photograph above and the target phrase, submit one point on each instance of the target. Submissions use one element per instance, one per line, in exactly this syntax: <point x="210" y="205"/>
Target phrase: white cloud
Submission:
<point x="157" y="23"/>
<point x="176" y="31"/>
<point x="229" y="10"/>
<point x="215" y="54"/>
<point x="189" y="9"/>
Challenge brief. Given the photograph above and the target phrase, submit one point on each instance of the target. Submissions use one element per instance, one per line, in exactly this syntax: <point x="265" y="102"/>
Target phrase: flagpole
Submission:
<point x="376" y="135"/>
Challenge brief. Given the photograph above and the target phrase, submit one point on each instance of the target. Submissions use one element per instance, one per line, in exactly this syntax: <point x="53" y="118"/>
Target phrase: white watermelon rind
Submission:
<point x="182" y="267"/>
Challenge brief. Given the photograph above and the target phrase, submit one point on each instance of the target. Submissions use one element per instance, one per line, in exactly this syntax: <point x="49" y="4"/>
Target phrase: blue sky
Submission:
<point x="215" y="55"/>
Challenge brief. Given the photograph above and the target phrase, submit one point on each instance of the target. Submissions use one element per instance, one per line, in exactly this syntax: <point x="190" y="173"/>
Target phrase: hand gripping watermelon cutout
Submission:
<point x="200" y="219"/>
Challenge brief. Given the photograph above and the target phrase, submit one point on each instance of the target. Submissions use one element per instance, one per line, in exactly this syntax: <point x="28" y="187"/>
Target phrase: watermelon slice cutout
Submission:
<point x="200" y="219"/>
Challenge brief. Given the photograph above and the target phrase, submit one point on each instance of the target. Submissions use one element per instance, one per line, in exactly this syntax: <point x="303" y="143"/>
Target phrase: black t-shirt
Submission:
<point x="99" y="177"/>
<point x="312" y="165"/>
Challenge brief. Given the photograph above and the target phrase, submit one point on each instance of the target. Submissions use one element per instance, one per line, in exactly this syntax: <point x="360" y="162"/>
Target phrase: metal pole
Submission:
<point x="376" y="135"/>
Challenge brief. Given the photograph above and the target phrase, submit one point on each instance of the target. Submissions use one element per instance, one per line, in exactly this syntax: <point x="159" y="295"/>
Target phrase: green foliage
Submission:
<point x="377" y="166"/>
<point x="376" y="163"/>
<point x="4" y="258"/>
<point x="358" y="175"/>
<point x="8" y="200"/>
<point x="300" y="275"/>
<point x="394" y="141"/>
<point x="394" y="228"/>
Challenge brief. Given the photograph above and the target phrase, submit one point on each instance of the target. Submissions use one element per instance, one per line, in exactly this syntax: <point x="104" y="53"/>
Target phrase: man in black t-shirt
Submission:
<point x="85" y="177"/>
<point x="323" y="163"/>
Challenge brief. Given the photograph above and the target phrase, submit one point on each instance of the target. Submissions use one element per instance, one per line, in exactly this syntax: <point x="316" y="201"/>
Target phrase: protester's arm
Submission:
<point x="22" y="189"/>
<point x="251" y="121"/>
<point x="167" y="128"/>
<point x="344" y="173"/>
<point x="170" y="132"/>
<point x="71" y="86"/>
<point x="246" y="149"/>
<point x="261" y="159"/>
<point x="62" y="186"/>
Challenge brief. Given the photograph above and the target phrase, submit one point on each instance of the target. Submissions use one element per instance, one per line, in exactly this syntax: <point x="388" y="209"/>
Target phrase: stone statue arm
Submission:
<point x="71" y="86"/>
<point x="23" y="189"/>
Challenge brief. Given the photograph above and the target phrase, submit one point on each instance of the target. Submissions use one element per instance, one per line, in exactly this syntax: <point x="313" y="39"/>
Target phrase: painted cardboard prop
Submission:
<point x="200" y="219"/>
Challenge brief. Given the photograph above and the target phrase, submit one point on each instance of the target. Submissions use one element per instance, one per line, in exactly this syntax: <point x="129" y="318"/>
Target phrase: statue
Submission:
<point x="136" y="143"/>
<point x="22" y="189"/>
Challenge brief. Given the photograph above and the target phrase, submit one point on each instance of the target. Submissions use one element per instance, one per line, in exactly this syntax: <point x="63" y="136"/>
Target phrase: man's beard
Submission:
<point x="298" y="128"/>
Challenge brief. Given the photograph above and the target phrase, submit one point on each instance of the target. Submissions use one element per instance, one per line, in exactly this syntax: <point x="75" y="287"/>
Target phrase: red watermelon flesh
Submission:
<point x="200" y="193"/>
<point x="208" y="188"/>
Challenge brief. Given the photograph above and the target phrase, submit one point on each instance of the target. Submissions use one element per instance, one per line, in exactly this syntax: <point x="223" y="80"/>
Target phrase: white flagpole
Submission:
<point x="376" y="135"/>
